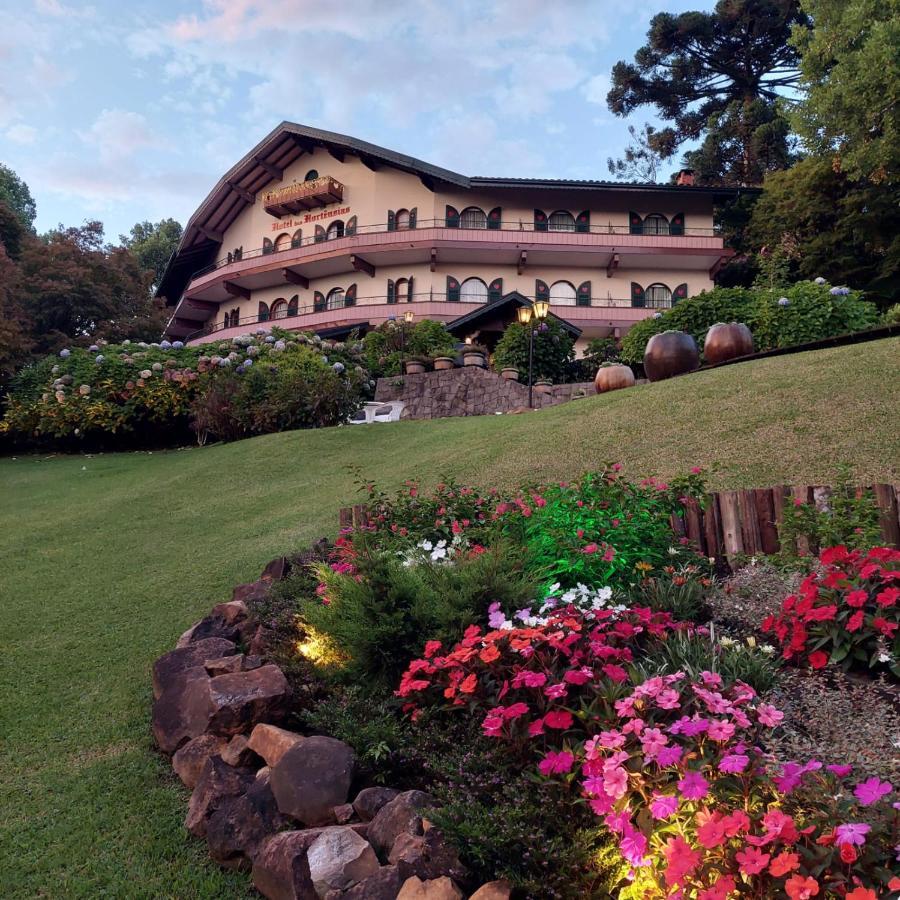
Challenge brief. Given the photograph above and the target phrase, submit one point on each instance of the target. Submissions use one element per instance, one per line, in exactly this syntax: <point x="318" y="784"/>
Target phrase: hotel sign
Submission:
<point x="296" y="198"/>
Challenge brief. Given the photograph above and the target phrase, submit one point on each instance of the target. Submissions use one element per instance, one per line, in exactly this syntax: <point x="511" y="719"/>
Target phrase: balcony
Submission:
<point x="306" y="195"/>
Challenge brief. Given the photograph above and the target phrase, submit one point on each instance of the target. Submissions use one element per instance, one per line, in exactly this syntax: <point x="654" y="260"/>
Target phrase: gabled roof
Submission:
<point x="496" y="307"/>
<point x="236" y="190"/>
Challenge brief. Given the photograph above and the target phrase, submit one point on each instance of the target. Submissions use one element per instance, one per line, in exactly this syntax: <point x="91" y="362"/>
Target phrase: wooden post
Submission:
<point x="886" y="496"/>
<point x="749" y="523"/>
<point x="360" y="516"/>
<point x="712" y="527"/>
<point x="731" y="524"/>
<point x="345" y="518"/>
<point x="692" y="525"/>
<point x="765" y="515"/>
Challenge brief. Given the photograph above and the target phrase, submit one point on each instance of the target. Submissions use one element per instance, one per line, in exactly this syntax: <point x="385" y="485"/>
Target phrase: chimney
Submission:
<point x="685" y="178"/>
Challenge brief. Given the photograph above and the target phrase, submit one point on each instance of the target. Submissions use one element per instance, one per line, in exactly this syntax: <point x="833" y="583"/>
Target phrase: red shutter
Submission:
<point x="635" y="223"/>
<point x="392" y="220"/>
<point x="350" y="227"/>
<point x="452" y="289"/>
<point x="583" y="295"/>
<point x="495" y="218"/>
<point x="409" y="288"/>
<point x="676" y="226"/>
<point x="263" y="312"/>
<point x="297" y="239"/>
<point x="680" y="293"/>
<point x="583" y="221"/>
<point x="637" y="294"/>
<point x="391" y="292"/>
<point x="495" y="290"/>
<point x="293" y="304"/>
<point x="318" y="301"/>
<point x="350" y="295"/>
<point x="541" y="291"/>
<point x="452" y="217"/>
<point x="320" y="234"/>
<point x="540" y="220"/>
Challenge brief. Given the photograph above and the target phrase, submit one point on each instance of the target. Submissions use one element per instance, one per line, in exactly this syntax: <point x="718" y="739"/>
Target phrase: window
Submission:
<point x="282" y="242"/>
<point x="297" y="238"/>
<point x="562" y="221"/>
<point x="401" y="290"/>
<point x="473" y="290"/>
<point x="311" y="175"/>
<point x="562" y="292"/>
<point x="335" y="230"/>
<point x="235" y="318"/>
<point x="656" y="224"/>
<point x="658" y="296"/>
<point x="473" y="217"/>
<point x="401" y="220"/>
<point x="335" y="299"/>
<point x="278" y="309"/>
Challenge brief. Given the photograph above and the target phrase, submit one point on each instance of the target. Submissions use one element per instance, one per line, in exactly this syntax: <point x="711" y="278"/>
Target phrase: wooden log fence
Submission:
<point x="732" y="525"/>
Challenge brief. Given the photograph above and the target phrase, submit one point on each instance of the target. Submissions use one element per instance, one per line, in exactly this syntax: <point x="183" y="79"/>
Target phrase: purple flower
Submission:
<point x="872" y="790"/>
<point x="840" y="771"/>
<point x="852" y="833"/>
<point x="669" y="756"/>
<point x="693" y="786"/>
<point x="177" y="345"/>
<point x="783" y="301"/>
<point x="734" y="762"/>
<point x="661" y="806"/>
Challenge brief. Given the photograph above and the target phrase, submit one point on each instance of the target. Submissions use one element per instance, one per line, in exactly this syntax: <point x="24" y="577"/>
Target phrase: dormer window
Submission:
<point x="311" y="175"/>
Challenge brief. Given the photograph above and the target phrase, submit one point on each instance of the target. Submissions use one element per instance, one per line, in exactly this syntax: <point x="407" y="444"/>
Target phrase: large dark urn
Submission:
<point x="669" y="354"/>
<point x="727" y="341"/>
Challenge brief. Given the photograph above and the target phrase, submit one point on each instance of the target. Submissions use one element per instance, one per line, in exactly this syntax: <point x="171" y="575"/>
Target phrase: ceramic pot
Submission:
<point x="669" y="354"/>
<point x="727" y="341"/>
<point x="613" y="378"/>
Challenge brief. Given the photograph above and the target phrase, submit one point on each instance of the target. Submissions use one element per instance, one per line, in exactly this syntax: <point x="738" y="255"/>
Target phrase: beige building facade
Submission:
<point x="318" y="231"/>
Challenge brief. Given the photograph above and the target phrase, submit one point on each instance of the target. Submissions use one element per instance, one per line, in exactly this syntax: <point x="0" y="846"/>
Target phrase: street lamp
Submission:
<point x="407" y="320"/>
<point x="530" y="315"/>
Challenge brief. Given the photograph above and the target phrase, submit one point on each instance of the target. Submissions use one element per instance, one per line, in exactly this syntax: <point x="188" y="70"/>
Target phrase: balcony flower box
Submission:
<point x="296" y="198"/>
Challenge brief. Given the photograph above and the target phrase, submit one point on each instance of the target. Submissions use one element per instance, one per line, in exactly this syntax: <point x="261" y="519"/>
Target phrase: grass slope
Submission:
<point x="105" y="560"/>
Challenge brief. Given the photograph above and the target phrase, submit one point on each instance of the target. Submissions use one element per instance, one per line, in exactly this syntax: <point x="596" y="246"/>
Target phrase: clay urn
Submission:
<point x="543" y="386"/>
<point x="727" y="341"/>
<point x="443" y="362"/>
<point x="510" y="373"/>
<point x="414" y="367"/>
<point x="474" y="358"/>
<point x="613" y="378"/>
<point x="669" y="354"/>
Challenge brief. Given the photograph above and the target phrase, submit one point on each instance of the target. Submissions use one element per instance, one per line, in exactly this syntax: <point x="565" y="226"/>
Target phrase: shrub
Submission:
<point x="811" y="312"/>
<point x="553" y="350"/>
<point x="385" y="345"/>
<point x="892" y="315"/>
<point x="846" y="614"/>
<point x="680" y="591"/>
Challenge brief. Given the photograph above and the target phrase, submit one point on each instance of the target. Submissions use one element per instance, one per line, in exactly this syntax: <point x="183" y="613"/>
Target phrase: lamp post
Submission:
<point x="407" y="320"/>
<point x="530" y="315"/>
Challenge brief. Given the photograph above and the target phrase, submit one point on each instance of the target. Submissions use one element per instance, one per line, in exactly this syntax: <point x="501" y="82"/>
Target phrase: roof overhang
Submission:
<point x="496" y="308"/>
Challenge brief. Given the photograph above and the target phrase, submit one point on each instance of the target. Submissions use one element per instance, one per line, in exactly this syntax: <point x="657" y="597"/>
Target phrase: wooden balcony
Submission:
<point x="296" y="198"/>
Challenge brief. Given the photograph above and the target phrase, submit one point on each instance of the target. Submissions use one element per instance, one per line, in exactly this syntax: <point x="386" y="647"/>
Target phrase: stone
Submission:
<point x="239" y="824"/>
<point x="190" y="758"/>
<point x="343" y="813"/>
<point x="254" y="661"/>
<point x="402" y="814"/>
<point x="435" y="889"/>
<point x="168" y="668"/>
<point x="231" y="613"/>
<point x="427" y="855"/>
<point x="280" y="867"/>
<point x="181" y="712"/>
<point x="493" y="890"/>
<point x="383" y="885"/>
<point x="338" y="859"/>
<point x="253" y="591"/>
<point x="313" y="777"/>
<point x="369" y="800"/>
<point x="217" y="781"/>
<point x="216" y="626"/>
<point x="271" y="742"/>
<point x="241" y="699"/>
<point x="237" y="753"/>
<point x="276" y="570"/>
<point x="225" y="665"/>
<point x="261" y="641"/>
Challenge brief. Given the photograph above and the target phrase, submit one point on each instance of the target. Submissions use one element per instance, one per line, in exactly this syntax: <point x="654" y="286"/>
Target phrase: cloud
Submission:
<point x="595" y="89"/>
<point x="21" y="134"/>
<point x="118" y="134"/>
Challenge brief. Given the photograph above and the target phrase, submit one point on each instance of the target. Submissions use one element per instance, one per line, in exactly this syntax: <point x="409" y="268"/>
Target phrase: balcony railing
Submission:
<point x="304" y="195"/>
<point x="422" y="224"/>
<point x="403" y="305"/>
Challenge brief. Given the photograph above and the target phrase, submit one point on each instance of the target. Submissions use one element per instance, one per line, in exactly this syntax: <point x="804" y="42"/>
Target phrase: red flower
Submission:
<point x="818" y="659"/>
<point x="431" y="647"/>
<point x="855" y="622"/>
<point x="882" y="625"/>
<point x="856" y="599"/>
<point x="800" y="888"/>
<point x="469" y="683"/>
<point x="559" y="718"/>
<point x="848" y="853"/>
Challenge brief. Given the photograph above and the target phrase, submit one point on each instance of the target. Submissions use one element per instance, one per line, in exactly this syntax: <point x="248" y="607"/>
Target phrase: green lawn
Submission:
<point x="105" y="560"/>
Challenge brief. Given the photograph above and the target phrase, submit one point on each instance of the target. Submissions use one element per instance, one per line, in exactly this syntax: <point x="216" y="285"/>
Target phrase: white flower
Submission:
<point x="884" y="656"/>
<point x="767" y="649"/>
<point x="673" y="551"/>
<point x="727" y="642"/>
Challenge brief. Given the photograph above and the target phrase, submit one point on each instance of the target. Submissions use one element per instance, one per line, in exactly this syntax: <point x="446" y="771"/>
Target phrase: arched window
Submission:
<point x="235" y="318"/>
<point x="656" y="224"/>
<point x="335" y="230"/>
<point x="311" y="175"/>
<point x="401" y="290"/>
<point x="293" y="304"/>
<point x="473" y="217"/>
<point x="473" y="290"/>
<point x="562" y="221"/>
<point x="658" y="296"/>
<point x="401" y="220"/>
<point x="297" y="238"/>
<point x="282" y="242"/>
<point x="335" y="299"/>
<point x="278" y="309"/>
<point x="562" y="293"/>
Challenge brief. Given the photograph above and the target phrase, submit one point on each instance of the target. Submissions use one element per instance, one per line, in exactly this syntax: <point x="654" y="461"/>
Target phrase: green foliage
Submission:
<point x="385" y="345"/>
<point x="378" y="615"/>
<point x="716" y="77"/>
<point x="553" y="350"/>
<point x="16" y="195"/>
<point x="892" y="316"/>
<point x="851" y="71"/>
<point x="153" y="243"/>
<point x="812" y="313"/>
<point x="641" y="161"/>
<point x="680" y="591"/>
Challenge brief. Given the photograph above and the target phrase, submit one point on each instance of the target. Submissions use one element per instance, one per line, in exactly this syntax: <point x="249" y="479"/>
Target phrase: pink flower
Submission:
<point x="681" y="859"/>
<point x="693" y="786"/>
<point x="653" y="740"/>
<point x="852" y="833"/>
<point x="514" y="710"/>
<point x="608" y="554"/>
<point x="555" y="691"/>
<point x="662" y="806"/>
<point x="559" y="719"/>
<point x="667" y="699"/>
<point x="615" y="673"/>
<point x="492" y="724"/>
<point x="556" y="763"/>
<point x="611" y="739"/>
<point x="734" y="762"/>
<point x="590" y="548"/>
<point x="840" y="771"/>
<point x="872" y="790"/>
<point x="769" y="715"/>
<point x="720" y="730"/>
<point x="530" y="679"/>
<point x="632" y="846"/>
<point x="536" y="728"/>
<point x="669" y="756"/>
<point x="751" y="860"/>
<point x="579" y="676"/>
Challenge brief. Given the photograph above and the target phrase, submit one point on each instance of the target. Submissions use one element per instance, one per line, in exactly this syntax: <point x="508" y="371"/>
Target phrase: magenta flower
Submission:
<point x="653" y="740"/>
<point x="852" y="833"/>
<point x="734" y="762"/>
<point x="668" y="699"/>
<point x="840" y="771"/>
<point x="611" y="739"/>
<point x="872" y="790"/>
<point x="669" y="756"/>
<point x="615" y="782"/>
<point x="693" y="786"/>
<point x="633" y="845"/>
<point x="720" y="730"/>
<point x="661" y="806"/>
<point x="556" y="763"/>
<point x="769" y="715"/>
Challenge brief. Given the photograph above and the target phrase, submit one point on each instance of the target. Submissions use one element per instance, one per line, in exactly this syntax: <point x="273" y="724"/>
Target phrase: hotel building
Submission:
<point x="316" y="231"/>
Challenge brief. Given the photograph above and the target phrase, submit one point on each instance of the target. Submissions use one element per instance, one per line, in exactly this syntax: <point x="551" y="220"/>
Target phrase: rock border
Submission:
<point x="277" y="803"/>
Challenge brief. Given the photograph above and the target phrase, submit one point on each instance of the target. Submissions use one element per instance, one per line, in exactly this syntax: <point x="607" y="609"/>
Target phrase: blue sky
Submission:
<point x="130" y="110"/>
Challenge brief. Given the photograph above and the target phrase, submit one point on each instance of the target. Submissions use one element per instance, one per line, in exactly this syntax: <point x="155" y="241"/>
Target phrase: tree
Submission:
<point x="718" y="77"/>
<point x="153" y="244"/>
<point x="851" y="72"/>
<point x="641" y="160"/>
<point x="16" y="195"/>
<point x="15" y="329"/>
<point x="553" y="349"/>
<point x="824" y="223"/>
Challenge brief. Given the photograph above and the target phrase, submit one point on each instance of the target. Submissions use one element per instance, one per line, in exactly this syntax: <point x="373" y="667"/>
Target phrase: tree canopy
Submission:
<point x="717" y="77"/>
<point x="16" y="195"/>
<point x="153" y="243"/>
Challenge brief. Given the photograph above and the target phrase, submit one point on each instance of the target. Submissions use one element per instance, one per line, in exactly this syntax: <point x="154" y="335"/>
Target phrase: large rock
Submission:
<point x="436" y="889"/>
<point x="241" y="699"/>
<point x="369" y="800"/>
<point x="217" y="782"/>
<point x="276" y="570"/>
<point x="271" y="742"/>
<point x="493" y="890"/>
<point x="169" y="667"/>
<point x="231" y="613"/>
<point x="313" y="777"/>
<point x="281" y="869"/>
<point x="226" y="665"/>
<point x="338" y="859"/>
<point x="383" y="885"/>
<point x="239" y="824"/>
<point x="253" y="591"/>
<point x="401" y="815"/>
<point x="427" y="855"/>
<point x="189" y="761"/>
<point x="237" y="753"/>
<point x="182" y="710"/>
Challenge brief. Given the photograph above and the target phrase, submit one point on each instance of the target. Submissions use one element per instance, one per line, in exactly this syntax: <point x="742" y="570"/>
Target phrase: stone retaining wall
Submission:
<point x="468" y="391"/>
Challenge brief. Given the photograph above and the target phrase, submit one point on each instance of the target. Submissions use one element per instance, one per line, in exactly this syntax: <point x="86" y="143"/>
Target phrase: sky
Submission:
<point x="131" y="110"/>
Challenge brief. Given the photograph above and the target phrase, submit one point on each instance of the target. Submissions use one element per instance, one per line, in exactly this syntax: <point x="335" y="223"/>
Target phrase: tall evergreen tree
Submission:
<point x="153" y="243"/>
<point x="16" y="195"/>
